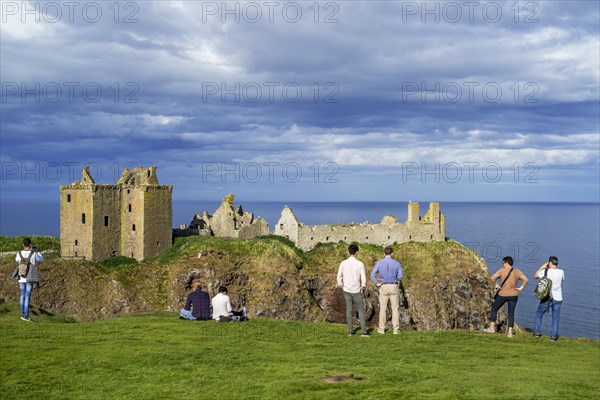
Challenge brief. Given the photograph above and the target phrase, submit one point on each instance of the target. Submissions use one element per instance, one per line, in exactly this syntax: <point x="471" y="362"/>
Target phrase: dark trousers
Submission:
<point x="499" y="302"/>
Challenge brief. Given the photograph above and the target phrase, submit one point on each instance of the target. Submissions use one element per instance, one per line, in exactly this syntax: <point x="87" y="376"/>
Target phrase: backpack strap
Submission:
<point x="505" y="279"/>
<point x="28" y="258"/>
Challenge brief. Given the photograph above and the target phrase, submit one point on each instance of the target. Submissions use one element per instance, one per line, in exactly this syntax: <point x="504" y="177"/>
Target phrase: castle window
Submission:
<point x="129" y="207"/>
<point x="83" y="218"/>
<point x="158" y="243"/>
<point x="345" y="237"/>
<point x="388" y="237"/>
<point x="410" y="237"/>
<point x="75" y="254"/>
<point x="133" y="227"/>
<point x="106" y="220"/>
<point x="431" y="237"/>
<point x="76" y="242"/>
<point x="68" y="198"/>
<point x="311" y="238"/>
<point x="280" y="226"/>
<point x="327" y="239"/>
<point x="128" y="191"/>
<point x="366" y="237"/>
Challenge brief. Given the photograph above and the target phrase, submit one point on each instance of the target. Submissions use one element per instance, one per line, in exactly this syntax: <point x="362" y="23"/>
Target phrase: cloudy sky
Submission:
<point x="305" y="101"/>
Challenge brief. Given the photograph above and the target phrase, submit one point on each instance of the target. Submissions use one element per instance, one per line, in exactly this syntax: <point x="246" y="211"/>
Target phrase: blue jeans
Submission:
<point x="542" y="309"/>
<point x="25" y="297"/>
<point x="499" y="302"/>
<point x="187" y="314"/>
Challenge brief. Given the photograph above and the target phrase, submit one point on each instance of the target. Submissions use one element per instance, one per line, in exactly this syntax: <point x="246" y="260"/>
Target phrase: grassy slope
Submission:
<point x="15" y="243"/>
<point x="157" y="356"/>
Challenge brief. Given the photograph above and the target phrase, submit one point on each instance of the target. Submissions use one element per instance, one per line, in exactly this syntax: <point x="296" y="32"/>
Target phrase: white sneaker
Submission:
<point x="382" y="331"/>
<point x="490" y="330"/>
<point x="396" y="331"/>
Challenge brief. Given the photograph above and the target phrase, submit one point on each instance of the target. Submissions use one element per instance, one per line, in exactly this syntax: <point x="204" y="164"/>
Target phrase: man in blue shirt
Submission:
<point x="390" y="273"/>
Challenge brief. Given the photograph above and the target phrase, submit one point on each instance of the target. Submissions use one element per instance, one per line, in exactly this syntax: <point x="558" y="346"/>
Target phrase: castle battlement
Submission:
<point x="432" y="227"/>
<point x="132" y="218"/>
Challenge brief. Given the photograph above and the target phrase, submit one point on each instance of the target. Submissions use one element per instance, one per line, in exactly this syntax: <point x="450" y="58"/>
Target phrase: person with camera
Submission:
<point x="553" y="301"/>
<point x="27" y="274"/>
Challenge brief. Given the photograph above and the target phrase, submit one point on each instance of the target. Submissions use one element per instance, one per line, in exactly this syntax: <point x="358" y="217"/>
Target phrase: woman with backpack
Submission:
<point x="506" y="292"/>
<point x="27" y="275"/>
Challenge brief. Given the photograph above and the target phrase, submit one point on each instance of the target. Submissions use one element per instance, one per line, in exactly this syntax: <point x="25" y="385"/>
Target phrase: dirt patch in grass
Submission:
<point x="342" y="378"/>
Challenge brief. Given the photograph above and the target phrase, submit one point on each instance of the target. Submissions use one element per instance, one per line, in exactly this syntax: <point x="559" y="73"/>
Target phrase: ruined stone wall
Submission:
<point x="257" y="228"/>
<point x="75" y="235"/>
<point x="157" y="213"/>
<point x="431" y="227"/>
<point x="222" y="222"/>
<point x="288" y="225"/>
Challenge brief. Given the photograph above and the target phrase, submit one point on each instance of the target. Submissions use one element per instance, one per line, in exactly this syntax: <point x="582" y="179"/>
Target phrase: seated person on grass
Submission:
<point x="222" y="310"/>
<point x="199" y="302"/>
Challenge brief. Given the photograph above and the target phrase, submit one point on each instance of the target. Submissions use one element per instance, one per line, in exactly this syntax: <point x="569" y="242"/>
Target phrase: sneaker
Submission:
<point x="396" y="331"/>
<point x="182" y="317"/>
<point x="537" y="335"/>
<point x="489" y="330"/>
<point x="351" y="333"/>
<point x="26" y="319"/>
<point x="510" y="334"/>
<point x="382" y="331"/>
<point x="554" y="338"/>
<point x="365" y="334"/>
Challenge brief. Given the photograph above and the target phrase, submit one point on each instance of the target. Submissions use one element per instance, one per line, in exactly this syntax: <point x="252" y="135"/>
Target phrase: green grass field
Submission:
<point x="158" y="356"/>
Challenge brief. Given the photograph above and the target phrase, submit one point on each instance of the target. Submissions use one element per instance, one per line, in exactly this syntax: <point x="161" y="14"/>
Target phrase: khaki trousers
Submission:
<point x="392" y="293"/>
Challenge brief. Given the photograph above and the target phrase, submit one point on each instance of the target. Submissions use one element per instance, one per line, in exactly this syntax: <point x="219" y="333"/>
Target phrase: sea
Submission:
<point x="528" y="232"/>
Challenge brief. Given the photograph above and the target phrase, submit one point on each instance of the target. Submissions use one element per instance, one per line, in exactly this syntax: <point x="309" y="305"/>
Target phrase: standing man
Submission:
<point x="351" y="277"/>
<point x="553" y="301"/>
<point x="199" y="302"/>
<point x="27" y="274"/>
<point x="390" y="273"/>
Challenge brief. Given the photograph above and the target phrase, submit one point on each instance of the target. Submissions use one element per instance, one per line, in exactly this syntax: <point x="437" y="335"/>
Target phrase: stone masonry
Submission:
<point x="432" y="227"/>
<point x="225" y="222"/>
<point x="132" y="218"/>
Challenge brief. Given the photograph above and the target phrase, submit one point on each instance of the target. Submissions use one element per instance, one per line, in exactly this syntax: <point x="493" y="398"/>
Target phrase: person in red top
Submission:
<point x="508" y="292"/>
<point x="199" y="302"/>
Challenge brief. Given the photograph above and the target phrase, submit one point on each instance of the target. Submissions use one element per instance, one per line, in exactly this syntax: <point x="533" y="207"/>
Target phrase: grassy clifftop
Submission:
<point x="157" y="356"/>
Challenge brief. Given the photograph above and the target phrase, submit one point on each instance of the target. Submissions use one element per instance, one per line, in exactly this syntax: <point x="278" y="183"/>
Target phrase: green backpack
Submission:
<point x="544" y="287"/>
<point x="24" y="264"/>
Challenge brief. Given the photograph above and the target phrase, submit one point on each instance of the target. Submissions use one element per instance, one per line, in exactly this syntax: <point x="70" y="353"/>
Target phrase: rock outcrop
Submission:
<point x="446" y="285"/>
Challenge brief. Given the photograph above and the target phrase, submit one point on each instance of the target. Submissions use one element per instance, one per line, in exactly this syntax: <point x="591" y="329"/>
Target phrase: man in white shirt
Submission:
<point x="352" y="278"/>
<point x="554" y="301"/>
<point x="221" y="304"/>
<point x="222" y="310"/>
<point x="28" y="278"/>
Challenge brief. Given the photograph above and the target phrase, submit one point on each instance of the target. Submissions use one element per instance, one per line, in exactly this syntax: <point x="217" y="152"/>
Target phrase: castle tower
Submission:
<point x="413" y="214"/>
<point x="132" y="218"/>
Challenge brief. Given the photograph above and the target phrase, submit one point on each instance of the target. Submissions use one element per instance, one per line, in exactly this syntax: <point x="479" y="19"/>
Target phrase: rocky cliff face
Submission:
<point x="445" y="286"/>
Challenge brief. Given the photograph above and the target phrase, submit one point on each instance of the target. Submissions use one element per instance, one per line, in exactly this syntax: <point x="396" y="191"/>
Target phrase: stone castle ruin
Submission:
<point x="132" y="218"/>
<point x="432" y="227"/>
<point x="225" y="222"/>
